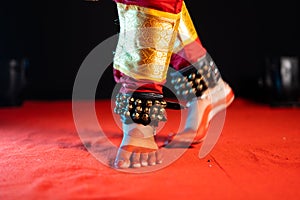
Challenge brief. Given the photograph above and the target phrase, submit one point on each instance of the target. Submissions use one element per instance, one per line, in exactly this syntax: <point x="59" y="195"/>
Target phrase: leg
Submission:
<point x="198" y="81"/>
<point x="147" y="35"/>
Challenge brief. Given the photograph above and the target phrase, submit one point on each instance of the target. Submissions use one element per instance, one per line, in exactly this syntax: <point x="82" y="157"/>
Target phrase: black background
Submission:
<point x="56" y="36"/>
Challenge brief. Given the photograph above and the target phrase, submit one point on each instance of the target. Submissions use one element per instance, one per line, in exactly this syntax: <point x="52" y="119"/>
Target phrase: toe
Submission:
<point x="152" y="158"/>
<point x="122" y="159"/>
<point x="159" y="157"/>
<point x="144" y="159"/>
<point x="135" y="160"/>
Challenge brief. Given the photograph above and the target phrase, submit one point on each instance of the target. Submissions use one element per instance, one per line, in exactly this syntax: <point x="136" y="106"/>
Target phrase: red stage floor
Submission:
<point x="42" y="157"/>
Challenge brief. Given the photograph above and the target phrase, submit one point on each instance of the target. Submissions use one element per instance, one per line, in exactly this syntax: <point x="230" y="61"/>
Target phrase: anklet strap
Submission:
<point x="141" y="108"/>
<point x="194" y="80"/>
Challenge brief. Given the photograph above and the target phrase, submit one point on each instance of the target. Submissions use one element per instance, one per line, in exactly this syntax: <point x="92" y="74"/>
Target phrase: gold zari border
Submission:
<point x="146" y="42"/>
<point x="186" y="30"/>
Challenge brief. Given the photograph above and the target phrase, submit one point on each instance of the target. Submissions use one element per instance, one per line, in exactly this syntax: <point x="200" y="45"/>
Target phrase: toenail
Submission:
<point x="136" y="165"/>
<point x="153" y="163"/>
<point x="121" y="164"/>
<point x="144" y="163"/>
<point x="159" y="162"/>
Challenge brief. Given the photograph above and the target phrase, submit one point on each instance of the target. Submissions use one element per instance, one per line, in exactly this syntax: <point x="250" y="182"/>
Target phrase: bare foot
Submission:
<point x="200" y="112"/>
<point x="138" y="147"/>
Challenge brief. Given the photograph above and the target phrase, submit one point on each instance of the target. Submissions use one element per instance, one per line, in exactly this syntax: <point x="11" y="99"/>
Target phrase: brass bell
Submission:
<point x="193" y="91"/>
<point x="153" y="117"/>
<point x="145" y="117"/>
<point x="162" y="111"/>
<point x="192" y="76"/>
<point x="200" y="72"/>
<point x="131" y="100"/>
<point x="173" y="81"/>
<point x="157" y="103"/>
<point x="200" y="87"/>
<point x="154" y="110"/>
<point x="197" y="81"/>
<point x="138" y="102"/>
<point x="177" y="87"/>
<point x="149" y="103"/>
<point x="189" y="84"/>
<point x="163" y="103"/>
<point x="185" y="92"/>
<point x="139" y="109"/>
<point x="127" y="114"/>
<point x="130" y="107"/>
<point x="160" y="117"/>
<point x="136" y="116"/>
<point x="123" y="97"/>
<point x="147" y="110"/>
<point x="182" y="86"/>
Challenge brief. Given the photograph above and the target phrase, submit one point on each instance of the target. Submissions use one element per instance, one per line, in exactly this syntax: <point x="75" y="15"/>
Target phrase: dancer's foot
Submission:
<point x="200" y="112"/>
<point x="138" y="147"/>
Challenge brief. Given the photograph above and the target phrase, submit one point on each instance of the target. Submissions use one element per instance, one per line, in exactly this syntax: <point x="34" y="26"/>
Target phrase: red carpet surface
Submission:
<point x="42" y="157"/>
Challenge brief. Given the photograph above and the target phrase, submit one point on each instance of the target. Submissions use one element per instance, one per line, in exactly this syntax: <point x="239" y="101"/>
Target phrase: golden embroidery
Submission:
<point x="146" y="42"/>
<point x="186" y="30"/>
